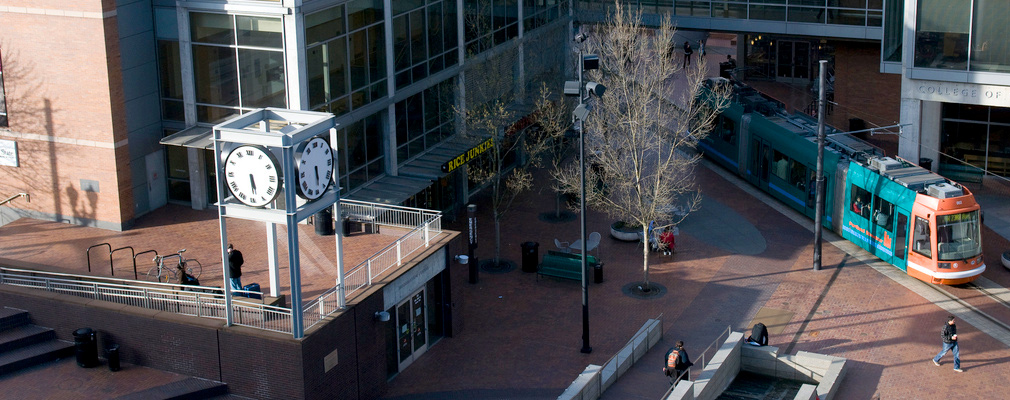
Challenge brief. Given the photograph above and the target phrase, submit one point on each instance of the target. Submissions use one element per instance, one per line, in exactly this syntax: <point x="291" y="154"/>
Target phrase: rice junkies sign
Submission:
<point x="464" y="158"/>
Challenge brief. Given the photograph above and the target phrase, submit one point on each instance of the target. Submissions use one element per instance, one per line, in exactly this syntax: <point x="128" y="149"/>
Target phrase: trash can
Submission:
<point x="926" y="163"/>
<point x="597" y="273"/>
<point x="531" y="256"/>
<point x="112" y="354"/>
<point x="86" y="347"/>
<point x="324" y="222"/>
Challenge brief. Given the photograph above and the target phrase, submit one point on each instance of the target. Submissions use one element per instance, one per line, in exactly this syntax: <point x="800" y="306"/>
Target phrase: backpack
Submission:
<point x="671" y="361"/>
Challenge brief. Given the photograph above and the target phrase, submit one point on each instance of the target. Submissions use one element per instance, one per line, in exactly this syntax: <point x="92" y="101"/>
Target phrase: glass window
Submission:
<point x="262" y="77"/>
<point x="894" y="28"/>
<point x="170" y="74"/>
<point x="324" y="25"/>
<point x="990" y="49"/>
<point x="361" y="13"/>
<point x="216" y="75"/>
<point x="860" y="201"/>
<point x="770" y="13"/>
<point x="901" y="236"/>
<point x="957" y="236"/>
<point x="259" y="32"/>
<point x="211" y="28"/>
<point x="883" y="213"/>
<point x="941" y="34"/>
<point x="921" y="237"/>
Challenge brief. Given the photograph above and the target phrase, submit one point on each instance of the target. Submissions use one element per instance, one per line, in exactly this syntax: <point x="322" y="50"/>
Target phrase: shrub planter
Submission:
<point x="1005" y="258"/>
<point x="620" y="231"/>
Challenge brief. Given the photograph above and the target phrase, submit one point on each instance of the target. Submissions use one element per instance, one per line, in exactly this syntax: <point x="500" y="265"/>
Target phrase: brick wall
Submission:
<point x="862" y="91"/>
<point x="64" y="98"/>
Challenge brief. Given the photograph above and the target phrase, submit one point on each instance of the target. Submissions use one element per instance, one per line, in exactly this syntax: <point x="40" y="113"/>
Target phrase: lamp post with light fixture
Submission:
<point x="581" y="112"/>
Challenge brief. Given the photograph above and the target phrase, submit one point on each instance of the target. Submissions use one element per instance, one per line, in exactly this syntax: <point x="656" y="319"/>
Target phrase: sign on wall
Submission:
<point x="8" y="153"/>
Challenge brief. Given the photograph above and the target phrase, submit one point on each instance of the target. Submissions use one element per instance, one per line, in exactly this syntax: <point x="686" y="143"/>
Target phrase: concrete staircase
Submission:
<point x="23" y="344"/>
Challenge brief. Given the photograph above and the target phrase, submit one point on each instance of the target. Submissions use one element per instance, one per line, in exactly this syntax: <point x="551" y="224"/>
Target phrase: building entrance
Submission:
<point x="793" y="62"/>
<point x="411" y="329"/>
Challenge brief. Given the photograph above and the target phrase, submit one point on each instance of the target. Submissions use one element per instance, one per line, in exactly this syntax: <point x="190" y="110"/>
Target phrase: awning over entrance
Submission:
<point x="429" y="165"/>
<point x="200" y="137"/>
<point x="390" y="190"/>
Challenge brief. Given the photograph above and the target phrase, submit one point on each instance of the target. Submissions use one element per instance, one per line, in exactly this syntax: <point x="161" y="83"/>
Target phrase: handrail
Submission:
<point x="138" y="255"/>
<point x="110" y="256"/>
<point x="134" y="260"/>
<point x="10" y="199"/>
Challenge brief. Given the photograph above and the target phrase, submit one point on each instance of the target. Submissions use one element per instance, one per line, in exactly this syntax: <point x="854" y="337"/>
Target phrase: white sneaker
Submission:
<point x="936" y="363"/>
<point x="958" y="370"/>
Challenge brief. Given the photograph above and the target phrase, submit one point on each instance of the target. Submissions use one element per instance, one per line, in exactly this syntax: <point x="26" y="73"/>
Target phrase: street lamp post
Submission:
<point x="580" y="113"/>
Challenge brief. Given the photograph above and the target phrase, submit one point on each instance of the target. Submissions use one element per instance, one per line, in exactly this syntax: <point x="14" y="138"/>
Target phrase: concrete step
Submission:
<point x="186" y="389"/>
<point x="10" y="317"/>
<point x="24" y="335"/>
<point x="33" y="354"/>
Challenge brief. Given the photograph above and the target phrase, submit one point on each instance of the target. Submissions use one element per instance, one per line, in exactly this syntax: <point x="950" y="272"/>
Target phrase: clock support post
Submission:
<point x="276" y="139"/>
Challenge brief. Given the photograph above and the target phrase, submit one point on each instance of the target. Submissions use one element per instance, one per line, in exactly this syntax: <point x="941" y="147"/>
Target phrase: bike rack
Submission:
<point x="135" y="261"/>
<point x="110" y="256"/>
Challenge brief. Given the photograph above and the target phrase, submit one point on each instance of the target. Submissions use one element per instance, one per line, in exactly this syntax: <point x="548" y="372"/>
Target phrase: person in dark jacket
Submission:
<point x="687" y="53"/>
<point x="949" y="335"/>
<point x="235" y="262"/>
<point x="680" y="361"/>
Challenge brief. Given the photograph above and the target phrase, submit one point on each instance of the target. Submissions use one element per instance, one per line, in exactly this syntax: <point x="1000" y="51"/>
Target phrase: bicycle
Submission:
<point x="164" y="275"/>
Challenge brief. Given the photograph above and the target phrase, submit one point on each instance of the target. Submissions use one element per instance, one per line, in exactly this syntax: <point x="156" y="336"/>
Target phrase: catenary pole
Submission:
<point x="819" y="207"/>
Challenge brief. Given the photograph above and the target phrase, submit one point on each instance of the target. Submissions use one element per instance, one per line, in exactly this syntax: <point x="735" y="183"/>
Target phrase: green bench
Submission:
<point x="564" y="265"/>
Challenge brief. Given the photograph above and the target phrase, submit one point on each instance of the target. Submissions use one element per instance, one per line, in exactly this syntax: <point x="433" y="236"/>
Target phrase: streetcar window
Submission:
<point x="726" y="130"/>
<point x="860" y="201"/>
<point x="781" y="166"/>
<point x="920" y="237"/>
<point x="957" y="236"/>
<point x="883" y="210"/>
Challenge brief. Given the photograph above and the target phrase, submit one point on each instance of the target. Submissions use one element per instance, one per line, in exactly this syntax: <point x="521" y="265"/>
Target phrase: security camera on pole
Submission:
<point x="586" y="62"/>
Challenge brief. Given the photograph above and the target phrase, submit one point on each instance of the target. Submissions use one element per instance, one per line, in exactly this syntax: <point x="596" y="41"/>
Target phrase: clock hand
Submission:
<point x="317" y="175"/>
<point x="253" y="183"/>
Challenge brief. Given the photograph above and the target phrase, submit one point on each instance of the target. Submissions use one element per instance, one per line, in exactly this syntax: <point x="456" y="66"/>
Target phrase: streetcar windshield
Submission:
<point x="958" y="236"/>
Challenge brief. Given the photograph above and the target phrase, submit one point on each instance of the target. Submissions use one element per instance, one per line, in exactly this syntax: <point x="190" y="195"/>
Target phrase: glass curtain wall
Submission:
<point x="488" y="23"/>
<point x="360" y="151"/>
<point x="894" y="29"/>
<point x="424" y="119"/>
<point x="169" y="64"/>
<point x="345" y="56"/>
<point x="424" y="39"/>
<point x="834" y="12"/>
<point x="962" y="35"/>
<point x="977" y="135"/>
<point x="537" y="13"/>
<point x="238" y="64"/>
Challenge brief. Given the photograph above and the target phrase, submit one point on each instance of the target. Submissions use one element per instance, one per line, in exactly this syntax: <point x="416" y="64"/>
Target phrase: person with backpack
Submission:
<point x="185" y="278"/>
<point x="676" y="362"/>
<point x="949" y="336"/>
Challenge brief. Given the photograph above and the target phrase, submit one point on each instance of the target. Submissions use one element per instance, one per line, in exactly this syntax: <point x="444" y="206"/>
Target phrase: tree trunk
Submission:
<point x="497" y="239"/>
<point x="645" y="258"/>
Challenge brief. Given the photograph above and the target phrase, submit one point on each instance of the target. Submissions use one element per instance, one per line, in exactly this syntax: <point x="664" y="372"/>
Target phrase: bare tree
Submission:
<point x="641" y="135"/>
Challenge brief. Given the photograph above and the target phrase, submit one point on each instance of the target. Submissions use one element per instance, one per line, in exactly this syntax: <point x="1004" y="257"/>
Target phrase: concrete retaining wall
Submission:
<point x="824" y="371"/>
<point x="594" y="380"/>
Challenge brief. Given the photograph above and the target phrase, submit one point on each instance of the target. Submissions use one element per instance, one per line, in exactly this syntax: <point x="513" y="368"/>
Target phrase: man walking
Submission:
<point x="687" y="53"/>
<point x="235" y="262"/>
<point x="676" y="362"/>
<point x="949" y="336"/>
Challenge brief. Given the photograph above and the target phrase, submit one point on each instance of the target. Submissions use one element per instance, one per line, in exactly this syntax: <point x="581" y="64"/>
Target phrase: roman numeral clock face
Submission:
<point x="315" y="168"/>
<point x="252" y="175"/>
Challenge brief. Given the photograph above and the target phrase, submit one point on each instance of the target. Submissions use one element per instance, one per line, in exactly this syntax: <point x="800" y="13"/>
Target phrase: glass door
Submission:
<point x="793" y="65"/>
<point x="412" y="329"/>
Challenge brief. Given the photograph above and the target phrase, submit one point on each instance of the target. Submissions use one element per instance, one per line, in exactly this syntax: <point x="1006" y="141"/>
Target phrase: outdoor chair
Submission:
<point x="563" y="246"/>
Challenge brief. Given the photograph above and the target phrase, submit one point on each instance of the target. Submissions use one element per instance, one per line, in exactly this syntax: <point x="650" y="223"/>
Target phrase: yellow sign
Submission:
<point x="469" y="155"/>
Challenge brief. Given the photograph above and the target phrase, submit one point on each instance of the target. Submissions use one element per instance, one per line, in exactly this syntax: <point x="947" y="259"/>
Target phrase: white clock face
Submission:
<point x="252" y="176"/>
<point x="315" y="168"/>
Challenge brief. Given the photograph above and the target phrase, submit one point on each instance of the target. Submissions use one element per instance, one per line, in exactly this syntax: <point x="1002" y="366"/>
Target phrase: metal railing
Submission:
<point x="209" y="302"/>
<point x="199" y="301"/>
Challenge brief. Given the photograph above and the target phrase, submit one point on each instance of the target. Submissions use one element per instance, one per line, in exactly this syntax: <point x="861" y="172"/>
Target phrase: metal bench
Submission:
<point x="564" y="265"/>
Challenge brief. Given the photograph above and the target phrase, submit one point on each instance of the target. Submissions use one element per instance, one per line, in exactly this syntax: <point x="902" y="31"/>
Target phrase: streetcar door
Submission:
<point x="761" y="159"/>
<point x="901" y="241"/>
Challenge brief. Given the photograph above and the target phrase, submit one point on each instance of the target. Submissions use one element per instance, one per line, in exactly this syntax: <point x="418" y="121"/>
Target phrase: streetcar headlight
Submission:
<point x="943" y="265"/>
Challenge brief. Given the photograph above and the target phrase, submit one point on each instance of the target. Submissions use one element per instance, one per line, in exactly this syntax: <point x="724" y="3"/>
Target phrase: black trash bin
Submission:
<point x="597" y="273"/>
<point x="86" y="347"/>
<point x="113" y="357"/>
<point x="926" y="163"/>
<point x="531" y="256"/>
<point x="324" y="222"/>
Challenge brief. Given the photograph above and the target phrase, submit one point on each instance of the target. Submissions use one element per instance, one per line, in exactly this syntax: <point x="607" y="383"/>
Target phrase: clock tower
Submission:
<point x="277" y="166"/>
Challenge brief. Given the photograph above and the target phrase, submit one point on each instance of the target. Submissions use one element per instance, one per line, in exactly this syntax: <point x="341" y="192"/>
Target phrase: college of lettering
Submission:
<point x="469" y="155"/>
<point x="963" y="91"/>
